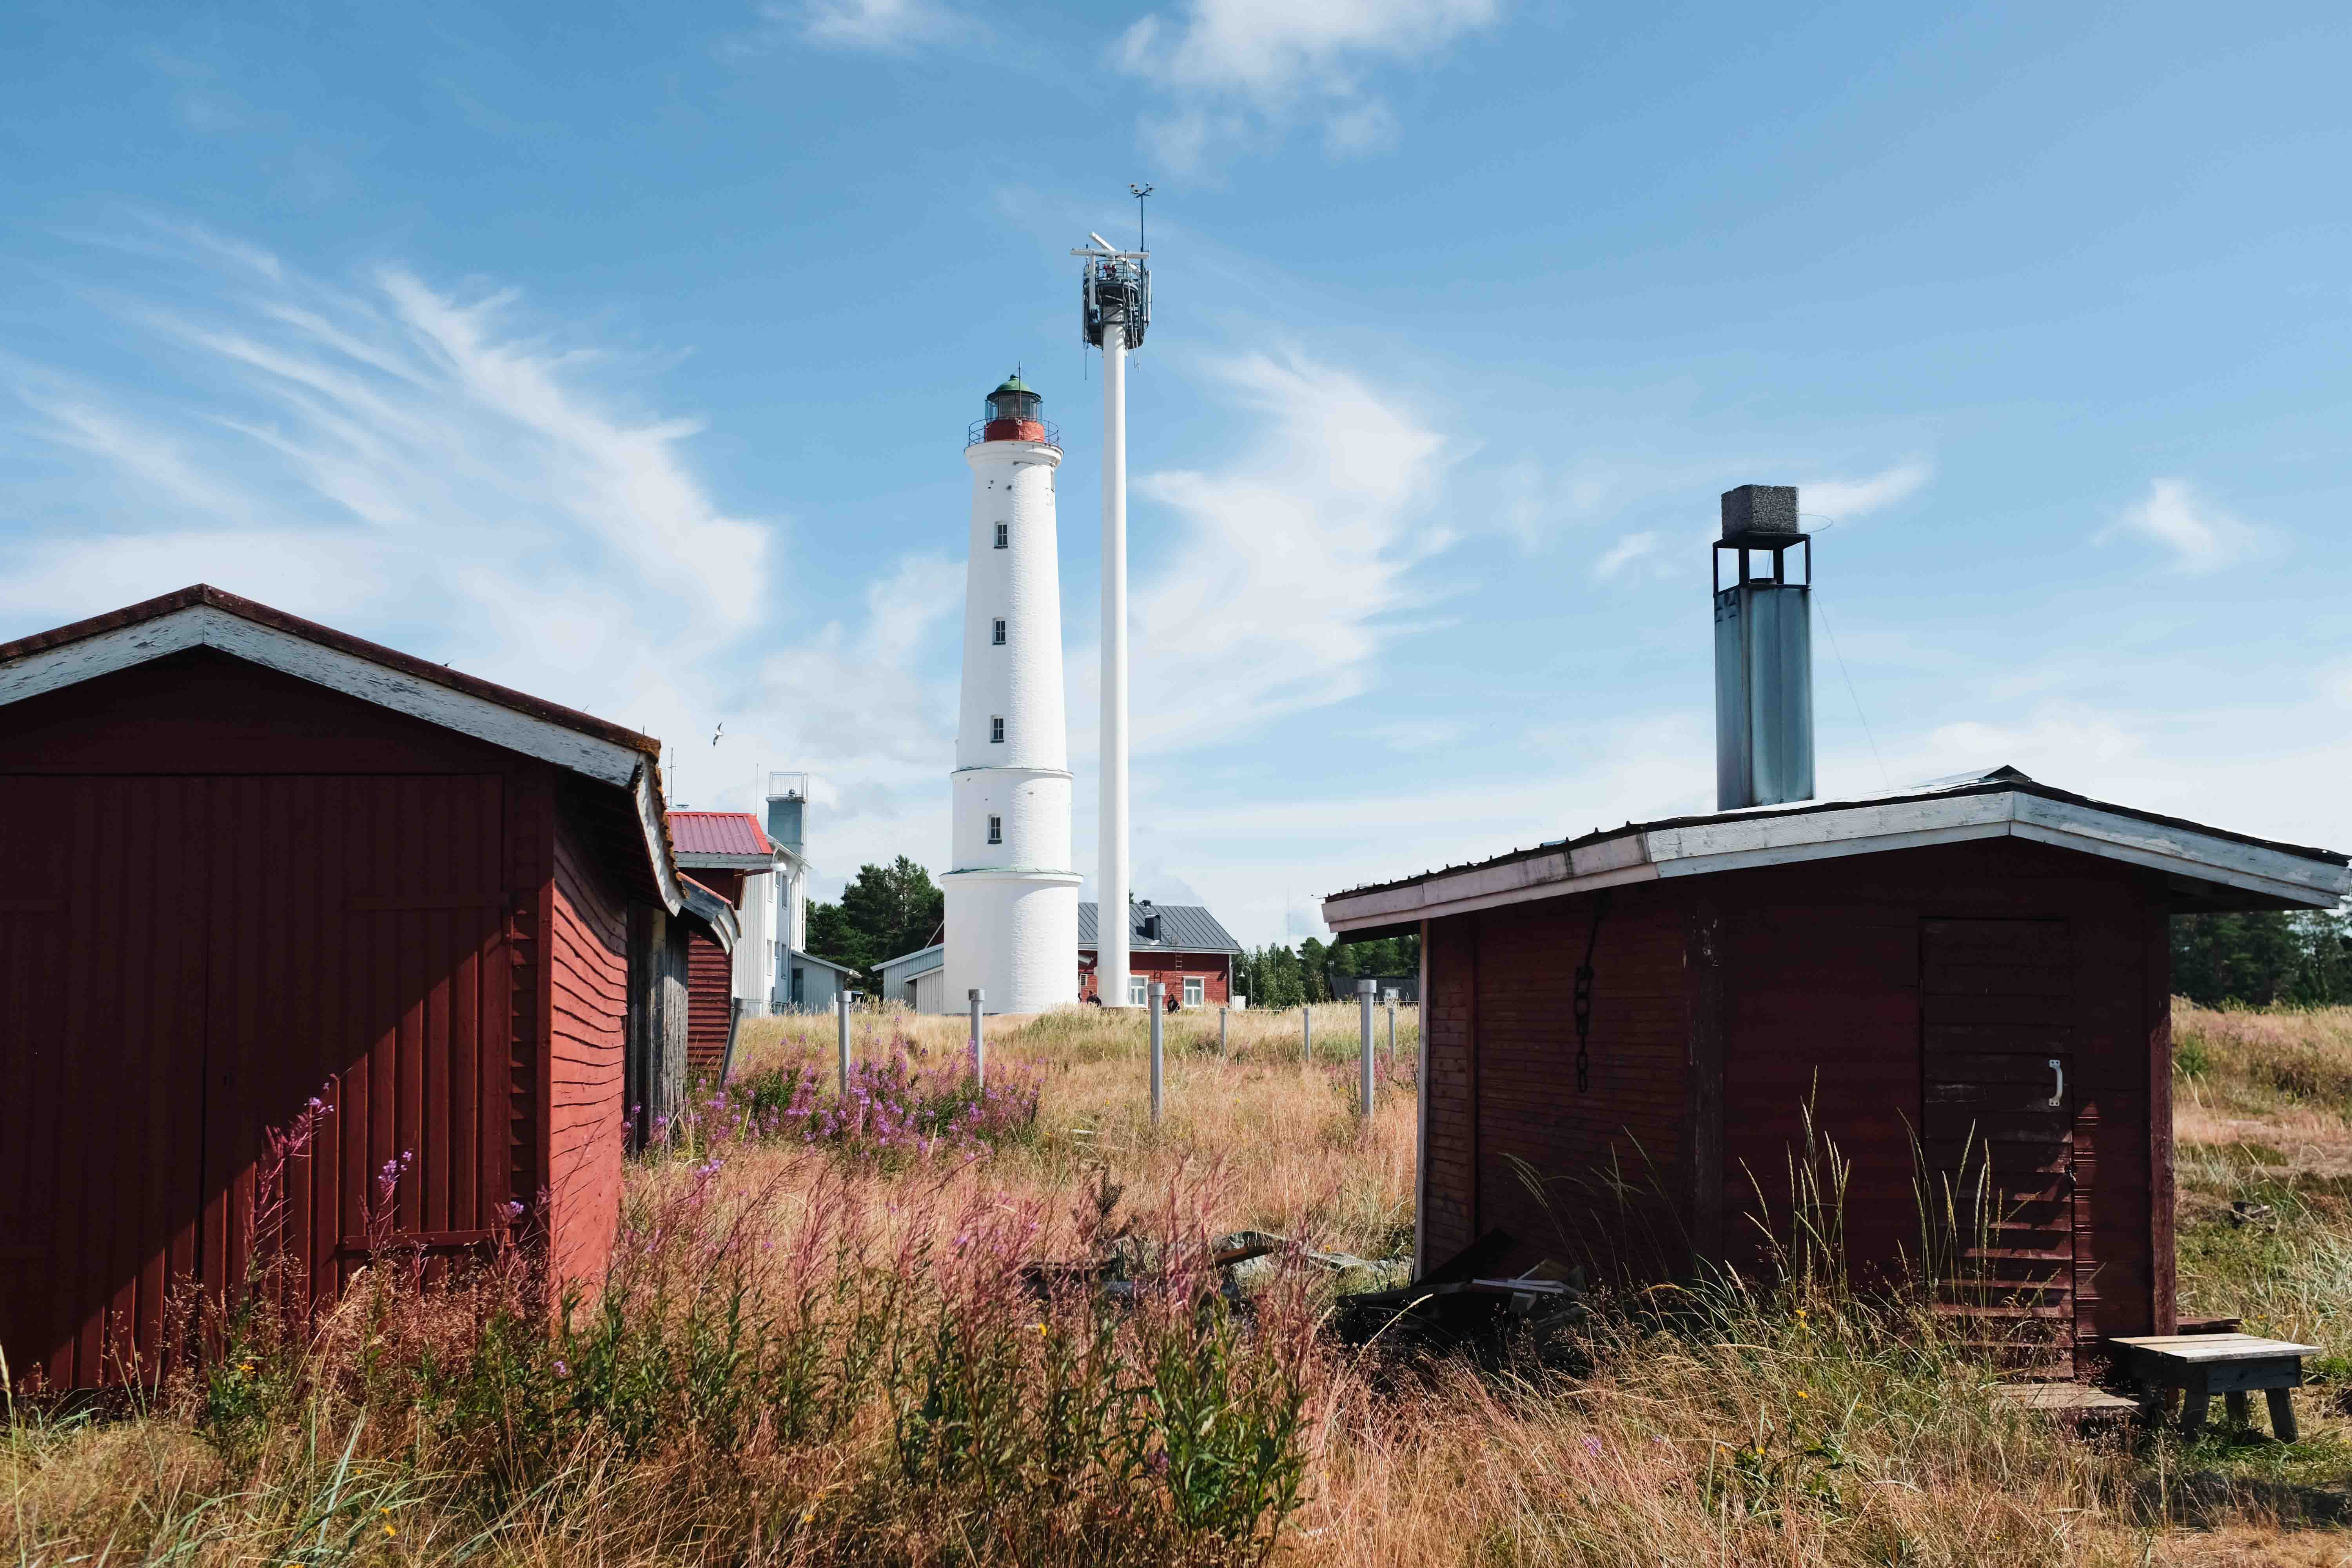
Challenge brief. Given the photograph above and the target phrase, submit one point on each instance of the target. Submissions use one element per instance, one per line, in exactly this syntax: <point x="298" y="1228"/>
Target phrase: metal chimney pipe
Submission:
<point x="1763" y="652"/>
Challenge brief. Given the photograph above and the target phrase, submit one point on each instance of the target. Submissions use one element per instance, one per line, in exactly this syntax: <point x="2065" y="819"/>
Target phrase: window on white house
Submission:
<point x="1003" y="535"/>
<point x="997" y="830"/>
<point x="1194" y="994"/>
<point x="996" y="730"/>
<point x="999" y="638"/>
<point x="1138" y="990"/>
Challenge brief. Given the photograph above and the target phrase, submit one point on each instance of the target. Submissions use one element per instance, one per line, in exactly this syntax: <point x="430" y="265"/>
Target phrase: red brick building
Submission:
<point x="1179" y="945"/>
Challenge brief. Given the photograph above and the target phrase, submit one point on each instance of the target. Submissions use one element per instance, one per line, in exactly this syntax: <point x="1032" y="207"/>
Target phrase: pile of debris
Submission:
<point x="1458" y="1303"/>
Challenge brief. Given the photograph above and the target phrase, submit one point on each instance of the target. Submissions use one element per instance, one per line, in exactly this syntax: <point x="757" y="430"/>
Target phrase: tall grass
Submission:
<point x="820" y="1342"/>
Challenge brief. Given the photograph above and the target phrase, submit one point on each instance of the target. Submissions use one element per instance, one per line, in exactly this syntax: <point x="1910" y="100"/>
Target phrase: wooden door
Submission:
<point x="1997" y="1013"/>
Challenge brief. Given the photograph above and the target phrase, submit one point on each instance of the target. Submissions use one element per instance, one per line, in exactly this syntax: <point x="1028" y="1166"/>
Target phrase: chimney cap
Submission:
<point x="1767" y="510"/>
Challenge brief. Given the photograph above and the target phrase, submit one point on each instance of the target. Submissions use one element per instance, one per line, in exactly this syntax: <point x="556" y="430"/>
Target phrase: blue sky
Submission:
<point x="625" y="355"/>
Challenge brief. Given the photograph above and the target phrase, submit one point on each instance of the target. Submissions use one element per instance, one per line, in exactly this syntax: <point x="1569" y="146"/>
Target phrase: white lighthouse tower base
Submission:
<point x="1012" y="896"/>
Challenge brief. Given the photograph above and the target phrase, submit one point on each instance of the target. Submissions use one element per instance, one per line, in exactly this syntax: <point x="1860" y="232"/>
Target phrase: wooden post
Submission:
<point x="1159" y="1010"/>
<point x="2282" y="1404"/>
<point x="1224" y="1051"/>
<point x="840" y="1030"/>
<point x="1364" y="989"/>
<point x="979" y="1047"/>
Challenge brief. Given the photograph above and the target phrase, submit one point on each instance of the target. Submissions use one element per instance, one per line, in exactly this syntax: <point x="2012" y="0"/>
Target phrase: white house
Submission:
<point x="917" y="979"/>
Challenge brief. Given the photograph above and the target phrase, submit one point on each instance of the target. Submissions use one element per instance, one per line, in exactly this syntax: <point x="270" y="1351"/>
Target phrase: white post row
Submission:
<point x="1364" y="990"/>
<point x="1159" y="1011"/>
<point x="842" y="1036"/>
<point x="979" y="1047"/>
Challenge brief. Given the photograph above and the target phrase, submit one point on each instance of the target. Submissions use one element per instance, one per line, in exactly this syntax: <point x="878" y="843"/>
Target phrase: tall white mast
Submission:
<point x="1116" y="308"/>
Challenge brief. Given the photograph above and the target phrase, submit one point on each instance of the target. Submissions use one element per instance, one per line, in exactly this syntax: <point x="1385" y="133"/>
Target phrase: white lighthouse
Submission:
<point x="1012" y="898"/>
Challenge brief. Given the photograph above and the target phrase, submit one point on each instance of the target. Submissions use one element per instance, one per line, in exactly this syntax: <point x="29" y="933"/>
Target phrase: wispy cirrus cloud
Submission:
<point x="457" y="475"/>
<point x="1300" y="556"/>
<point x="872" y="26"/>
<point x="1850" y="500"/>
<point x="1244" y="72"/>
<point x="2199" y="536"/>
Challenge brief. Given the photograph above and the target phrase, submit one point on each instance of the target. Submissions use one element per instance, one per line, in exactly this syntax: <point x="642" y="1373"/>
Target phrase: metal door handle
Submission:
<point x="2058" y="1095"/>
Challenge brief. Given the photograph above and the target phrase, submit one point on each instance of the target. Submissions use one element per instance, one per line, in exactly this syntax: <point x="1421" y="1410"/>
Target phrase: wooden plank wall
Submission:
<point x="588" y="965"/>
<point x="1610" y="1159"/>
<point x="1449" y="1219"/>
<point x="222" y="949"/>
<point x="1822" y="986"/>
<point x="709" y="1008"/>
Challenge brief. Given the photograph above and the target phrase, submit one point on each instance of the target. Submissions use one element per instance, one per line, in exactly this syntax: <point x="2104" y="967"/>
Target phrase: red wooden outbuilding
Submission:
<point x="245" y="860"/>
<point x="719" y="851"/>
<point x="1635" y="1042"/>
<point x="1972" y="977"/>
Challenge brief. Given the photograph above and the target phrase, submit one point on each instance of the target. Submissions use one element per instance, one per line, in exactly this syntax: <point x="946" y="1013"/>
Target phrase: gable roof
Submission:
<point x="927" y="955"/>
<point x="606" y="753"/>
<point x="1183" y="928"/>
<point x="2208" y="868"/>
<point x="730" y="839"/>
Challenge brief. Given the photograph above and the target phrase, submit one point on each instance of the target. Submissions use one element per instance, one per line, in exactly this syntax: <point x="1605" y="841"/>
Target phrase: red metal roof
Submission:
<point x="717" y="832"/>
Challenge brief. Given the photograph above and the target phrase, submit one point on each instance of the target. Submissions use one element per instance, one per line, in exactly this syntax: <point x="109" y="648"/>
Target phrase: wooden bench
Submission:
<point x="2231" y="1365"/>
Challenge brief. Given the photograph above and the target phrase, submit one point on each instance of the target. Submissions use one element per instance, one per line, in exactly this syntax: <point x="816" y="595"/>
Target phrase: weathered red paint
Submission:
<point x="227" y="891"/>
<point x="1855" y="989"/>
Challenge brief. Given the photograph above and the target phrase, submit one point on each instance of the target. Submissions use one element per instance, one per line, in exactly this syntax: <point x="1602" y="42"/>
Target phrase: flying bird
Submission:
<point x="718" y="731"/>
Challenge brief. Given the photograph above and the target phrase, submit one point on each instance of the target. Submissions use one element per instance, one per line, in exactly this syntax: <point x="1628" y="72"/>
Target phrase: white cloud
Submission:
<point x="1298" y="560"/>
<point x="438" y="472"/>
<point x="884" y="26"/>
<point x="1245" y="70"/>
<point x="1849" y="501"/>
<point x="2201" y="537"/>
<point x="1626" y="551"/>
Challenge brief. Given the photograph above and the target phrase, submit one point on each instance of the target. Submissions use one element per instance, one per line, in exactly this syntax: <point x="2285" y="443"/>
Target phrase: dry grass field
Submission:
<point x="819" y="1346"/>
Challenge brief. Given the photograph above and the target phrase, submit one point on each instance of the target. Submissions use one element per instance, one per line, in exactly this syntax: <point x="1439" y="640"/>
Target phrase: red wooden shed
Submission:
<point x="247" y="857"/>
<point x="719" y="851"/>
<point x="1978" y="969"/>
<point x="1968" y="983"/>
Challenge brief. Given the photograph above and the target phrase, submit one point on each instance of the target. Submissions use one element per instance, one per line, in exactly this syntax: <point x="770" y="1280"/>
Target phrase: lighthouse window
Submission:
<point x="1003" y="535"/>
<point x="997" y="830"/>
<point x="999" y="638"/>
<point x="996" y="730"/>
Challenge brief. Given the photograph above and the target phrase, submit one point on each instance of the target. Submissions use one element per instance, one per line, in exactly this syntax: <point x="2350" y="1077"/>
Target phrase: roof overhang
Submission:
<point x="800" y="957"/>
<point x="2206" y="868"/>
<point x="752" y="865"/>
<point x="711" y="913"/>
<point x="207" y="618"/>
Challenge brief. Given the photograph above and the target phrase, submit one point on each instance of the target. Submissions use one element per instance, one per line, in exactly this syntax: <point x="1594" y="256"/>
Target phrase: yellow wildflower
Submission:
<point x="1802" y="1394"/>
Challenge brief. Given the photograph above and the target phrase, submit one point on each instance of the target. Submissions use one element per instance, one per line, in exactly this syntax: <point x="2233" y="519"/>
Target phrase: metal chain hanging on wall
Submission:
<point x="1584" y="998"/>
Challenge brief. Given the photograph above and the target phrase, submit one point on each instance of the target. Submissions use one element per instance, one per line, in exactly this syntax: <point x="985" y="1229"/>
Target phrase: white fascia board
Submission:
<point x="1483" y="887"/>
<point x="717" y="912"/>
<point x="650" y="822"/>
<point x="1735" y="843"/>
<point x="1813" y="834"/>
<point x="204" y="626"/>
<point x="755" y="864"/>
<point x="2182" y="851"/>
